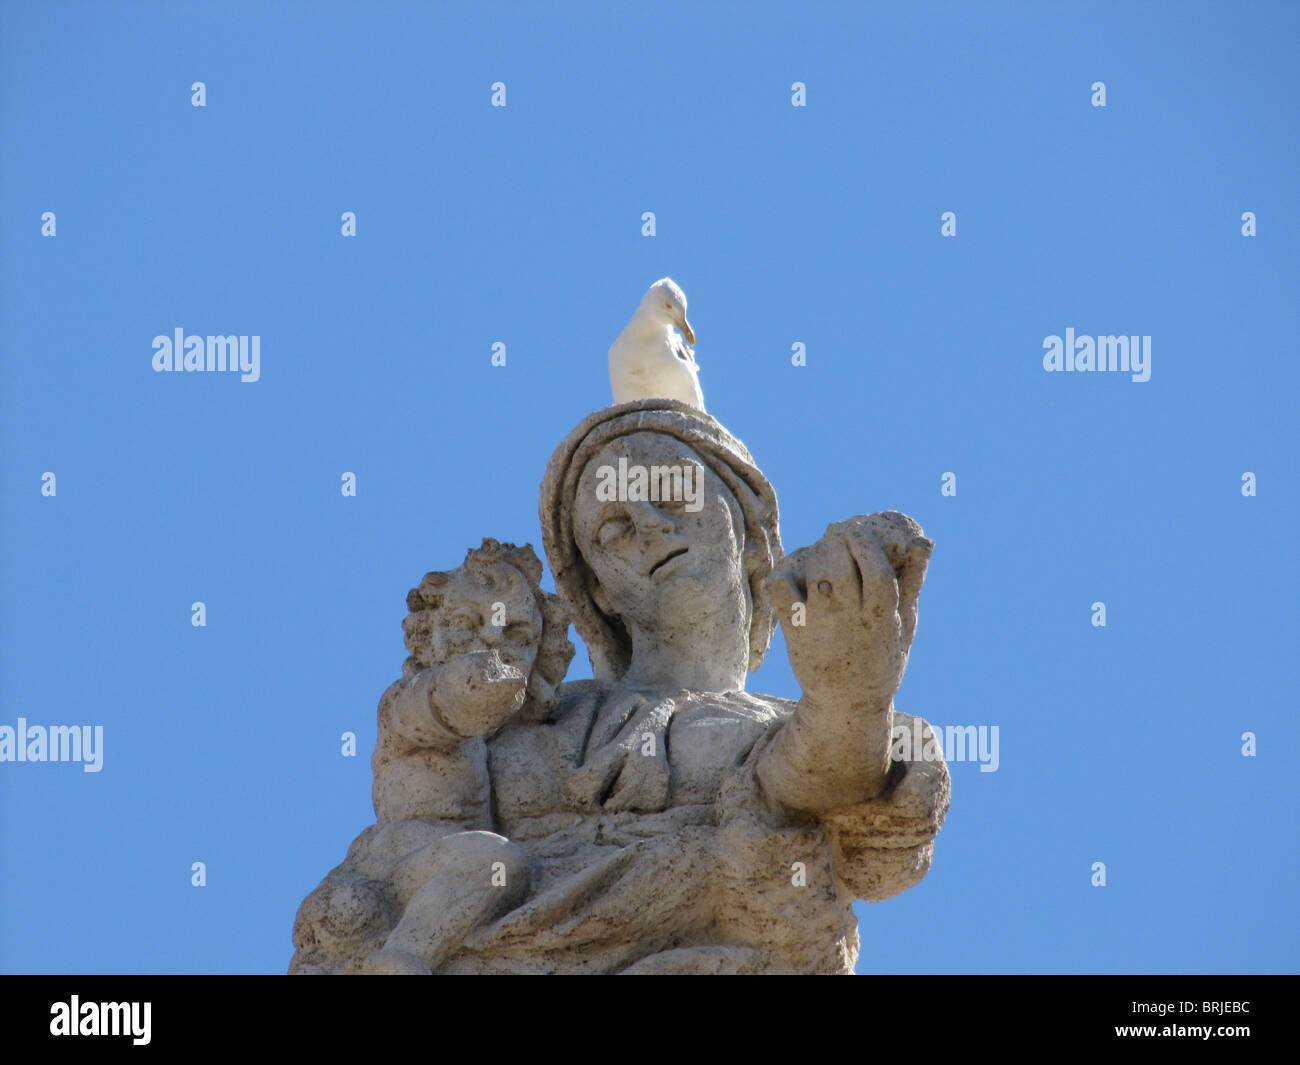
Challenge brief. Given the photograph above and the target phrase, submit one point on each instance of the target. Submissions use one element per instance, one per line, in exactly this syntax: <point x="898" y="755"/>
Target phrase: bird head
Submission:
<point x="666" y="302"/>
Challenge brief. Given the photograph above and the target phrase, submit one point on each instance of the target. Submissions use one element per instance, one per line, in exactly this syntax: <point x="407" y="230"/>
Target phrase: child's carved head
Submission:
<point x="492" y="602"/>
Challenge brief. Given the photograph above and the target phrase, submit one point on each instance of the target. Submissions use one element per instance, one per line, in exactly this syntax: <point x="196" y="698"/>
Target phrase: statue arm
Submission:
<point x="831" y="753"/>
<point x="884" y="846"/>
<point x="469" y="696"/>
<point x="409" y="720"/>
<point x="430" y="760"/>
<point x="847" y="605"/>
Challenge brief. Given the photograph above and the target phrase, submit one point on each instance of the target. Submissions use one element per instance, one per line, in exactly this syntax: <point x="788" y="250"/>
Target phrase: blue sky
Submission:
<point x="522" y="224"/>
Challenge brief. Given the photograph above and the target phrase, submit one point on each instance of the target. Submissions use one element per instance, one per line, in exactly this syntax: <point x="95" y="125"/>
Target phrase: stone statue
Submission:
<point x="657" y="818"/>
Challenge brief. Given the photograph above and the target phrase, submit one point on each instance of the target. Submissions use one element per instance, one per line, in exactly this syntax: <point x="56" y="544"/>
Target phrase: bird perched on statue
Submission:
<point x="649" y="360"/>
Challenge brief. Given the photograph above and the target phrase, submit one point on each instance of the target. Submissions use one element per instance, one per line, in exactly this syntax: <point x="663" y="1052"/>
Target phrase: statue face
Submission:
<point x="660" y="563"/>
<point x="468" y="619"/>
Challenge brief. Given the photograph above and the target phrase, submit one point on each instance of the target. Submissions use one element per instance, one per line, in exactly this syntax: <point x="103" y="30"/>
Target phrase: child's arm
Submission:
<point x="430" y="760"/>
<point x="471" y="695"/>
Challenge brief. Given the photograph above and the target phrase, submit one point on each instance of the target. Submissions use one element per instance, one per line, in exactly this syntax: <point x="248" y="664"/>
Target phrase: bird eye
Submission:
<point x="669" y="306"/>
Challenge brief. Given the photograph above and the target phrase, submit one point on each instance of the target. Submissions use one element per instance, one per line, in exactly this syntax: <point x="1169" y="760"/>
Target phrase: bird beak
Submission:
<point x="687" y="331"/>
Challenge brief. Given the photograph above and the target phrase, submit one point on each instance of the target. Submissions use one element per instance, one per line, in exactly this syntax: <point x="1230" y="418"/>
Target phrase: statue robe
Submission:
<point x="652" y="848"/>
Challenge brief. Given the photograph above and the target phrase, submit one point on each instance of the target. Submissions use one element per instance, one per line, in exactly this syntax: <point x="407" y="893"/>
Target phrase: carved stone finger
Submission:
<point x="879" y="582"/>
<point x="830" y="576"/>
<point x="910" y="579"/>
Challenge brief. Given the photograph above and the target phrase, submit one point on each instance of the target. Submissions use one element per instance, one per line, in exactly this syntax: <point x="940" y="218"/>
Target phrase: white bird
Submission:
<point x="648" y="360"/>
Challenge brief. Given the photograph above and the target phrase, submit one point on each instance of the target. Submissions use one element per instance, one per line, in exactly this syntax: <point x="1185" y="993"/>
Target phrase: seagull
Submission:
<point x="649" y="360"/>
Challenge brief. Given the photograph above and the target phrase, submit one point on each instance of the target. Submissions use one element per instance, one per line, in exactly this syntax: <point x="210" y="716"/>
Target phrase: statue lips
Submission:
<point x="675" y="553"/>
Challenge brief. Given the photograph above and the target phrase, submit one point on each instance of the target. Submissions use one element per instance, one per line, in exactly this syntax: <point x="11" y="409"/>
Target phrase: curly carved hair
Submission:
<point x="556" y="650"/>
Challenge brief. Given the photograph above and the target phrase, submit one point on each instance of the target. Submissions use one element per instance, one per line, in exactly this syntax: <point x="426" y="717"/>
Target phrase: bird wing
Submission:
<point x="680" y="349"/>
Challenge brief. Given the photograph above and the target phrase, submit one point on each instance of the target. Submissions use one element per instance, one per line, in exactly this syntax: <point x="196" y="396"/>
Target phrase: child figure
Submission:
<point x="487" y="646"/>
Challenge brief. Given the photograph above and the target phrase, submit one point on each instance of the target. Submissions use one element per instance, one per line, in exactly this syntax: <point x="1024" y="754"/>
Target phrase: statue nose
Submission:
<point x="650" y="520"/>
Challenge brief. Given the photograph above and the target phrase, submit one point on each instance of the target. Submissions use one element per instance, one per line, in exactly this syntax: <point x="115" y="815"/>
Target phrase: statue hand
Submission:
<point x="476" y="693"/>
<point x="855" y="592"/>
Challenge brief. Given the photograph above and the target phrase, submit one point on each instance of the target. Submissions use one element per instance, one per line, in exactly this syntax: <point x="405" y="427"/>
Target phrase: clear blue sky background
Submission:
<point x="522" y="225"/>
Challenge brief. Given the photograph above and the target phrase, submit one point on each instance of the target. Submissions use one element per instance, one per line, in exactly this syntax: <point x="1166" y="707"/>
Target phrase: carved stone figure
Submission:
<point x="657" y="818"/>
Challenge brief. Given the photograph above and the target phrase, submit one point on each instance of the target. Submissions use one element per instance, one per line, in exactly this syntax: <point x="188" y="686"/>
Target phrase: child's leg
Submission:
<point x="474" y="878"/>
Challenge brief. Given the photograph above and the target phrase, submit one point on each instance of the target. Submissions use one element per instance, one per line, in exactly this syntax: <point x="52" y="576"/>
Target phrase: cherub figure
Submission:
<point x="487" y="647"/>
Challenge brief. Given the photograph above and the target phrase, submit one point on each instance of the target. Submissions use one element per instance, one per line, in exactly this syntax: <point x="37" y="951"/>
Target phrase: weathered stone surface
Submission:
<point x="657" y="818"/>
